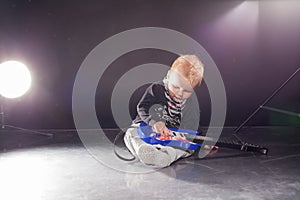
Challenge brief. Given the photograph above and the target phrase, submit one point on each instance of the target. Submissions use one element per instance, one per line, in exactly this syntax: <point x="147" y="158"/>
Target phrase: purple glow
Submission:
<point x="236" y="31"/>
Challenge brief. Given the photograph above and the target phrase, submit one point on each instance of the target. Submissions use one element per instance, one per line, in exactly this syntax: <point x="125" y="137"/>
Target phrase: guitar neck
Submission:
<point x="227" y="144"/>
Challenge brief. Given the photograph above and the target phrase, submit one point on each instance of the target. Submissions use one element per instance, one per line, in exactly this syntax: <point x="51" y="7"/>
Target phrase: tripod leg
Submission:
<point x="2" y="116"/>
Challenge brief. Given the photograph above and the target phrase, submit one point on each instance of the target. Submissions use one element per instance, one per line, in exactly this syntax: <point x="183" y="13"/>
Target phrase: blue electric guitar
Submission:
<point x="191" y="140"/>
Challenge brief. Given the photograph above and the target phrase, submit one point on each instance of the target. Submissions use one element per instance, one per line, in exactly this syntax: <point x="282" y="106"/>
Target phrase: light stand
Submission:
<point x="5" y="126"/>
<point x="2" y="113"/>
<point x="15" y="80"/>
<point x="269" y="108"/>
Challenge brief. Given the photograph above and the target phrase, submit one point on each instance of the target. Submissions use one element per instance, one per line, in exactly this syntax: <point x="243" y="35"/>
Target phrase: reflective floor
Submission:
<point x="33" y="167"/>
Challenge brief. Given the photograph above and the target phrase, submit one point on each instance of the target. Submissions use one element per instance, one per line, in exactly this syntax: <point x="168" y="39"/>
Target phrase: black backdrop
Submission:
<point x="256" y="46"/>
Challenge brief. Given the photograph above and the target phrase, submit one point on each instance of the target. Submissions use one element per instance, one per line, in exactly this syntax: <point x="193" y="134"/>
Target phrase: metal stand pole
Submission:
<point x="3" y="125"/>
<point x="2" y="112"/>
<point x="266" y="101"/>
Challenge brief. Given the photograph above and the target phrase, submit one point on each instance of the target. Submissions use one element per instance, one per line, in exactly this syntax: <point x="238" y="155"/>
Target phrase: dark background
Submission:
<point x="256" y="47"/>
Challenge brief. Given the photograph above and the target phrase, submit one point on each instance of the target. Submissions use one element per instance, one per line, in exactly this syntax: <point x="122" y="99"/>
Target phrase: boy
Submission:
<point x="167" y="104"/>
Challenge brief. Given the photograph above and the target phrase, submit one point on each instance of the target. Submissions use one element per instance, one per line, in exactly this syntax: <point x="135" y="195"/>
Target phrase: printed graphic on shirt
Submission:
<point x="173" y="110"/>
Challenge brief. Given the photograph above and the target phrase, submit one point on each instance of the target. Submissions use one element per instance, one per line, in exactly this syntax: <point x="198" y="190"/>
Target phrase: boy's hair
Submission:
<point x="190" y="67"/>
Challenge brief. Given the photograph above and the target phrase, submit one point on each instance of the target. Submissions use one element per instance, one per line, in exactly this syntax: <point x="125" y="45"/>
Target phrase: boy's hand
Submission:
<point x="160" y="127"/>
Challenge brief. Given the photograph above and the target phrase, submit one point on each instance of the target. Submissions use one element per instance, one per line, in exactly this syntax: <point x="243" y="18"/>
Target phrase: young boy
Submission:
<point x="167" y="104"/>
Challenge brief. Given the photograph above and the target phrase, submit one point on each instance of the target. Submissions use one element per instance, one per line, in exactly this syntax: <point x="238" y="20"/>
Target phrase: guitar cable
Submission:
<point x="122" y="133"/>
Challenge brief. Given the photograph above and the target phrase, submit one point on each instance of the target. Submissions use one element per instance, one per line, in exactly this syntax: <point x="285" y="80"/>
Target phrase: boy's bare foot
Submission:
<point x="209" y="147"/>
<point x="212" y="149"/>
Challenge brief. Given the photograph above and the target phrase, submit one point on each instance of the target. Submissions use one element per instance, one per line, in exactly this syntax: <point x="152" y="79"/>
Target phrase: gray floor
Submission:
<point x="32" y="167"/>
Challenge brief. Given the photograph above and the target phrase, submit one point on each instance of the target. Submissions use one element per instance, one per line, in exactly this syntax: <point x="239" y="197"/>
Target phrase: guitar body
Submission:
<point x="191" y="140"/>
<point x="149" y="136"/>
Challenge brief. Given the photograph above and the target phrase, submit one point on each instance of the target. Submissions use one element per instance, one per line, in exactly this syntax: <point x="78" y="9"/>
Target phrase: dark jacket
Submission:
<point x="153" y="107"/>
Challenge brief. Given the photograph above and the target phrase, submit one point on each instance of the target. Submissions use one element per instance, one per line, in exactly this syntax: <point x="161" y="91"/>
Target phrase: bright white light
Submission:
<point x="15" y="79"/>
<point x="238" y="25"/>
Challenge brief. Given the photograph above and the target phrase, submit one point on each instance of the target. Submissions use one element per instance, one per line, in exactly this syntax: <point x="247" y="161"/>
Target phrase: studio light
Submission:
<point x="238" y="25"/>
<point x="15" y="79"/>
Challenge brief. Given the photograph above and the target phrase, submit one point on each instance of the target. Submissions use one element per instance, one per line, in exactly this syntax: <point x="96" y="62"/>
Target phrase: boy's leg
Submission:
<point x="160" y="156"/>
<point x="156" y="155"/>
<point x="132" y="140"/>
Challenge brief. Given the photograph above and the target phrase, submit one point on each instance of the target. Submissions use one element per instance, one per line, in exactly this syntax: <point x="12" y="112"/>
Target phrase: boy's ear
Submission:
<point x="168" y="73"/>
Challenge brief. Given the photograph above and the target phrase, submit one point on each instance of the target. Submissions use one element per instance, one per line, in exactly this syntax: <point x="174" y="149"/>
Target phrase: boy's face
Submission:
<point x="179" y="87"/>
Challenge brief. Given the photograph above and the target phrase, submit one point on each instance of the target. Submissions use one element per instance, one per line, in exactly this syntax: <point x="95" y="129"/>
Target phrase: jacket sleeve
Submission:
<point x="150" y="104"/>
